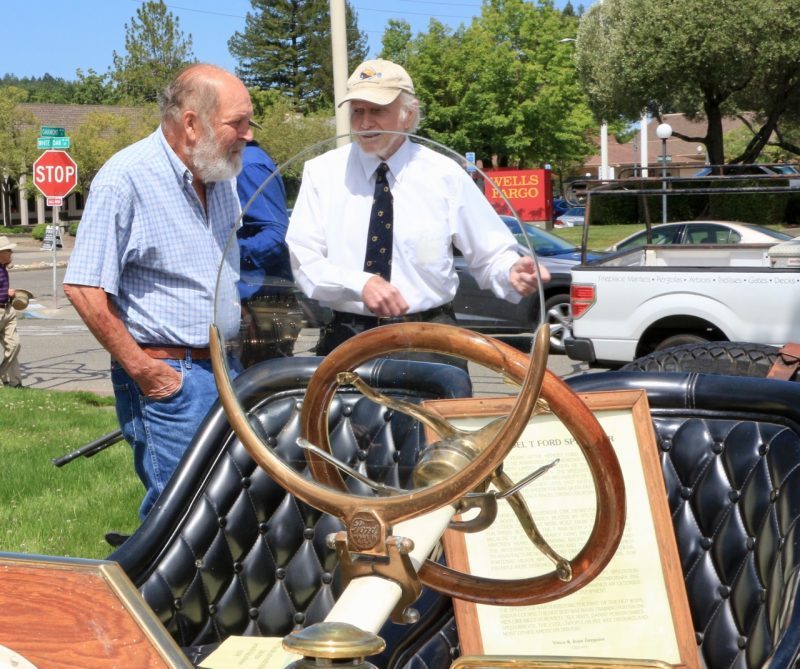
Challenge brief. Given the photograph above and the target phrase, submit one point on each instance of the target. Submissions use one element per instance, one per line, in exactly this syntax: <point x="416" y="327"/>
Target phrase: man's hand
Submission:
<point x="158" y="381"/>
<point x="11" y="293"/>
<point x="383" y="299"/>
<point x="523" y="275"/>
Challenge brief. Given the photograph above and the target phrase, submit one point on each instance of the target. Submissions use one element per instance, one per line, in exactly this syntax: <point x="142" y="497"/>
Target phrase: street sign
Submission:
<point x="52" y="143"/>
<point x="52" y="131"/>
<point x="52" y="236"/>
<point x="470" y="156"/>
<point x="55" y="174"/>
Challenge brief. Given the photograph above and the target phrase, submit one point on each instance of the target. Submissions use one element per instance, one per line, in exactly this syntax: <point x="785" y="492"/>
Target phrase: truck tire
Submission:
<point x="713" y="357"/>
<point x="681" y="340"/>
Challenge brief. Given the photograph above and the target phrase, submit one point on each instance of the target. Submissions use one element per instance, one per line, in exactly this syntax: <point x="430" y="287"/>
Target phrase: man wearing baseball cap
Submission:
<point x="9" y="338"/>
<point x="372" y="231"/>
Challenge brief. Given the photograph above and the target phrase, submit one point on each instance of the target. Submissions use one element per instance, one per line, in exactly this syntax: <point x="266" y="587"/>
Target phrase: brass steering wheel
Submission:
<point x="333" y="498"/>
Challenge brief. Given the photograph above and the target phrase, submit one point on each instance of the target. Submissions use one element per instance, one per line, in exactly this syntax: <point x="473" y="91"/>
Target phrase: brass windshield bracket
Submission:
<point x="396" y="567"/>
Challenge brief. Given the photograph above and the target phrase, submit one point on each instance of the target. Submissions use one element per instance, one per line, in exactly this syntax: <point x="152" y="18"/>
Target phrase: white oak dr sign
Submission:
<point x="55" y="174"/>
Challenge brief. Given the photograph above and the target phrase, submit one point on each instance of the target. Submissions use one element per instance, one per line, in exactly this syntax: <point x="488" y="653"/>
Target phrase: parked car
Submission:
<point x="755" y="169"/>
<point x="703" y="232"/>
<point x="571" y="218"/>
<point x="482" y="311"/>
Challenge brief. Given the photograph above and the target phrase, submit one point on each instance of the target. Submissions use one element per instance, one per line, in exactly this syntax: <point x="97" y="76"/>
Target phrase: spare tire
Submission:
<point x="713" y="357"/>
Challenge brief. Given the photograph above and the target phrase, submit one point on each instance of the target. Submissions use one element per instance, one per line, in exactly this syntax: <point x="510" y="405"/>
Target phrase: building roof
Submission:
<point x="679" y="150"/>
<point x="71" y="117"/>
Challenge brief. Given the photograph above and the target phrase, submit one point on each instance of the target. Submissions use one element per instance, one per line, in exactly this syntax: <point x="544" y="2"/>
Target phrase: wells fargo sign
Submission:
<point x="528" y="191"/>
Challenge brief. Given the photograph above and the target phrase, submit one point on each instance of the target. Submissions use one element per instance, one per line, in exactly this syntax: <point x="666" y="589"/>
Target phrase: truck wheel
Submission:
<point x="681" y="340"/>
<point x="713" y="357"/>
<point x="559" y="316"/>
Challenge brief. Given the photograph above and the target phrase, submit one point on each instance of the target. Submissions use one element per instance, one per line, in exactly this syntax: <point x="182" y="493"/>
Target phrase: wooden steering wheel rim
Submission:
<point x="566" y="405"/>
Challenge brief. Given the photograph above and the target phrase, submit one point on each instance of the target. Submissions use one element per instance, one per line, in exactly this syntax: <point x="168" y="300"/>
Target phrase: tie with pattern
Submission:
<point x="378" y="258"/>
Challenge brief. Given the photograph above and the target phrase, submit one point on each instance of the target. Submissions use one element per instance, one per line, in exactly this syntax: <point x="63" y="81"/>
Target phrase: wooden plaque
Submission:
<point x="636" y="611"/>
<point x="69" y="613"/>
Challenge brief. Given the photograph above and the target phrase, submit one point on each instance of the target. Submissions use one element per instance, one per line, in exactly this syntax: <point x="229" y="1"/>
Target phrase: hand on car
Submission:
<point x="523" y="275"/>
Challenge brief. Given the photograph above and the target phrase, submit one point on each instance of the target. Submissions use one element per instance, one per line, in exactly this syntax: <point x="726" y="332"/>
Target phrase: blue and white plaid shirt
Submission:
<point x="145" y="239"/>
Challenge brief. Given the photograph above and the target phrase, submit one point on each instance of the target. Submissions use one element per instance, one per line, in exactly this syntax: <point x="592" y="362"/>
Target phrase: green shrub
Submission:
<point x="39" y="231"/>
<point x="73" y="228"/>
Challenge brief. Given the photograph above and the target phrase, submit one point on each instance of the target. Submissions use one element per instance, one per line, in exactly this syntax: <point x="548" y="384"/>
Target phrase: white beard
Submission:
<point x="209" y="163"/>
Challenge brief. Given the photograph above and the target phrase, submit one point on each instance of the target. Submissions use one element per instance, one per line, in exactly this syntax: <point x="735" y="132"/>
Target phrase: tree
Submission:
<point x="102" y="134"/>
<point x="156" y="50"/>
<point x="503" y="87"/>
<point x="705" y="59"/>
<point x="286" y="46"/>
<point x="396" y="41"/>
<point x="17" y="141"/>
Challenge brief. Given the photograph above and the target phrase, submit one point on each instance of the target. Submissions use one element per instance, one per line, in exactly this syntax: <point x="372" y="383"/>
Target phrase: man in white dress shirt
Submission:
<point x="435" y="206"/>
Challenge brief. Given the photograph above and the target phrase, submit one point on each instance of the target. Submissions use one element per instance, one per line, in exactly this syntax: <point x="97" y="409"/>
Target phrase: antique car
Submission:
<point x="370" y="508"/>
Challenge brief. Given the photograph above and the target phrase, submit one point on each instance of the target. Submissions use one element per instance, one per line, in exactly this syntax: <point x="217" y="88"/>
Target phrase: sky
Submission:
<point x="57" y="37"/>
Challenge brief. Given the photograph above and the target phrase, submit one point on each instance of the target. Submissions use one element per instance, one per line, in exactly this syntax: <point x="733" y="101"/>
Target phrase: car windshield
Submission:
<point x="544" y="243"/>
<point x="575" y="211"/>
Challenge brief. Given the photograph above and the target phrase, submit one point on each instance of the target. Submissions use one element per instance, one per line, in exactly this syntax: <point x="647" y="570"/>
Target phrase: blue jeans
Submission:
<point x="160" y="431"/>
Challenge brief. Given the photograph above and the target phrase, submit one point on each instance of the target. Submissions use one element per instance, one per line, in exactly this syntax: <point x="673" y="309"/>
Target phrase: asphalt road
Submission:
<point x="59" y="353"/>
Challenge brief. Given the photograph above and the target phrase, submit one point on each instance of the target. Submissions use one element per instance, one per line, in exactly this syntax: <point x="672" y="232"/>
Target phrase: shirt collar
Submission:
<point x="396" y="162"/>
<point x="182" y="173"/>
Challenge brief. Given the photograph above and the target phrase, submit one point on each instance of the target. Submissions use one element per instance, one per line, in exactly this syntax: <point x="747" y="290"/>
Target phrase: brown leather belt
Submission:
<point x="176" y="352"/>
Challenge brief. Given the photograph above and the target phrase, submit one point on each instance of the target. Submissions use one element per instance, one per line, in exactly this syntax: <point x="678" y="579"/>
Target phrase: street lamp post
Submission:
<point x="664" y="132"/>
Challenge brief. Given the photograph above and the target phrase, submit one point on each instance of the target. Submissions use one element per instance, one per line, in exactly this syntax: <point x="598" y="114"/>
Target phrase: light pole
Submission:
<point x="664" y="132"/>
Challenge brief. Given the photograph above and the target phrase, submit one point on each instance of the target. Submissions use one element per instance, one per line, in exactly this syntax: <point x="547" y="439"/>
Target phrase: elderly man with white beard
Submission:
<point x="144" y="267"/>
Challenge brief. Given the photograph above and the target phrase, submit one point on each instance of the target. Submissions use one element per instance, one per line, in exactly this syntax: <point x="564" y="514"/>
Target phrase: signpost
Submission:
<point x="55" y="174"/>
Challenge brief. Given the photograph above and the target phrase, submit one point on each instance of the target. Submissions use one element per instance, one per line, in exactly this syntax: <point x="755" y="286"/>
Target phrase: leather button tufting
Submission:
<point x="253" y="613"/>
<point x="299" y="618"/>
<point x="347" y="411"/>
<point x="246" y="482"/>
<point x="308" y="533"/>
<point x="724" y="591"/>
<point x="271" y="441"/>
<point x="763" y="449"/>
<point x="751" y="543"/>
<point x="327" y="578"/>
<point x="222" y="521"/>
<point x="177" y="603"/>
<point x="280" y="573"/>
<point x="698" y="638"/>
<point x="237" y="567"/>
<point x="212" y="609"/>
<point x="686" y="493"/>
<point x="706" y="543"/>
<point x="362" y="454"/>
<point x="717" y="447"/>
<point x="734" y="495"/>
<point x="388" y="415"/>
<point x="773" y="495"/>
<point x="741" y="642"/>
<point x="666" y="445"/>
<point x="262" y="528"/>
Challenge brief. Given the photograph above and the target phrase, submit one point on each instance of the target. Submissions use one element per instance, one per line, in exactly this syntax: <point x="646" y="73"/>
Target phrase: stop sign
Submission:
<point x="55" y="173"/>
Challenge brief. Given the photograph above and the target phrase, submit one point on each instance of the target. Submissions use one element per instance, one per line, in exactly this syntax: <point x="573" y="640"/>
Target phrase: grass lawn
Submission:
<point x="62" y="511"/>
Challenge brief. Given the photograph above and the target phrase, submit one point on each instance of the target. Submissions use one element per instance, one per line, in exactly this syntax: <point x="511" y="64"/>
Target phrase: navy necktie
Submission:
<point x="378" y="258"/>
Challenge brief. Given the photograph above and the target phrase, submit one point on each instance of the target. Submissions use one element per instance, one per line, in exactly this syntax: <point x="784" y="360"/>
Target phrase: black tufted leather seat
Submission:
<point x="226" y="551"/>
<point x="730" y="455"/>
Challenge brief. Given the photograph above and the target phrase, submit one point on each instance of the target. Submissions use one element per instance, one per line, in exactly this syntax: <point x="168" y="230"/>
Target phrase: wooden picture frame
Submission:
<point x="636" y="612"/>
<point x="59" y="612"/>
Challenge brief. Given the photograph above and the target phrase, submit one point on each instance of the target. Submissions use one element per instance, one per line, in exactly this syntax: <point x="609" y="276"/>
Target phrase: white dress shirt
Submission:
<point x="436" y="205"/>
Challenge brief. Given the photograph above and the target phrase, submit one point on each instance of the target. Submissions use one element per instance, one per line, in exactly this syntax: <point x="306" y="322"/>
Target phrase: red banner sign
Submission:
<point x="530" y="192"/>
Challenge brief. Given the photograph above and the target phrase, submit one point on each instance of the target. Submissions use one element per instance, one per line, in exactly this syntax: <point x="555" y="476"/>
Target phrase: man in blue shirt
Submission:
<point x="271" y="315"/>
<point x="146" y="260"/>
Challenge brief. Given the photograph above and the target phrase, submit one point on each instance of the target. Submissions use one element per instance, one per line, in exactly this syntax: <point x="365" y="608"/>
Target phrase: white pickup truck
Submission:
<point x="653" y="297"/>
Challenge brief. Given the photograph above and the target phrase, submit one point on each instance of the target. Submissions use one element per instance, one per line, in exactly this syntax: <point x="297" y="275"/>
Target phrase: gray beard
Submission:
<point x="209" y="165"/>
